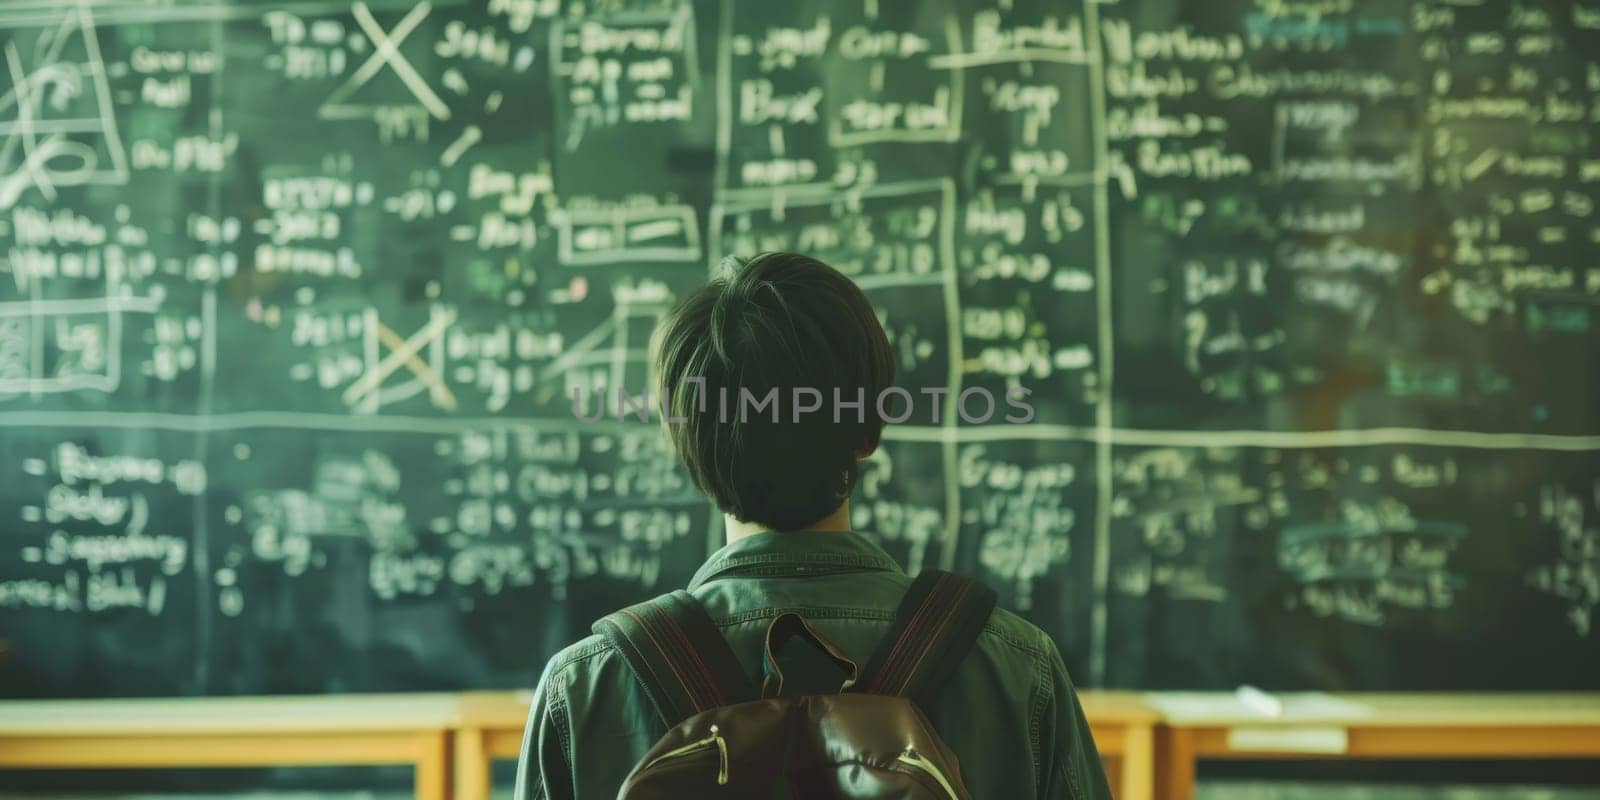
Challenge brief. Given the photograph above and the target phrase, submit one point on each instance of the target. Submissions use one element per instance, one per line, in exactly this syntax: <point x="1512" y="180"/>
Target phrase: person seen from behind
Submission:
<point x="801" y="661"/>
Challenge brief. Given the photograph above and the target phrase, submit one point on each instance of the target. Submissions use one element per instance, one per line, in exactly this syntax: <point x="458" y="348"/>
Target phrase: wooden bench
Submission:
<point x="1368" y="726"/>
<point x="235" y="732"/>
<point x="491" y="724"/>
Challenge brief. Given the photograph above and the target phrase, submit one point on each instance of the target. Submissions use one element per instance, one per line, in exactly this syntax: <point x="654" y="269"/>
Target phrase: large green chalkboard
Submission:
<point x="293" y="297"/>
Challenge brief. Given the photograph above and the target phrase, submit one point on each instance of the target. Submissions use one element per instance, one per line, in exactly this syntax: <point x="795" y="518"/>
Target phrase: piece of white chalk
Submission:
<point x="1260" y="701"/>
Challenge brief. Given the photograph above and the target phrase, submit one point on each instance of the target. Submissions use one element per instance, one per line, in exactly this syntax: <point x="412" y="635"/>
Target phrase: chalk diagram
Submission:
<point x="386" y="53"/>
<point x="369" y="392"/>
<point x="56" y="122"/>
<point x="57" y="129"/>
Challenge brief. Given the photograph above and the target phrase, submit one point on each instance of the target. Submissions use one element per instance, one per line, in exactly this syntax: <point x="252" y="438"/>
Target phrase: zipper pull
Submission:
<point x="910" y="757"/>
<point x="699" y="745"/>
<point x="722" y="753"/>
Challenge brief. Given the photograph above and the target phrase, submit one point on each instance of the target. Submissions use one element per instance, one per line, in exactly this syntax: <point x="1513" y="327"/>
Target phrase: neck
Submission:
<point x="839" y="520"/>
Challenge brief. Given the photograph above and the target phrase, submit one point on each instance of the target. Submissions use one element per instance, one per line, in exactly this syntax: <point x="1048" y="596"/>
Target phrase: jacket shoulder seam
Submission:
<point x="577" y="655"/>
<point x="1044" y="693"/>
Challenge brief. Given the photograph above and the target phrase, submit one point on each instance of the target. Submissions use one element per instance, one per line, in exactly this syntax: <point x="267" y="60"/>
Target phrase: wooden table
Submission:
<point x="1150" y="741"/>
<point x="235" y="732"/>
<point x="491" y="724"/>
<point x="488" y="727"/>
<point x="1124" y="732"/>
<point x="1368" y="726"/>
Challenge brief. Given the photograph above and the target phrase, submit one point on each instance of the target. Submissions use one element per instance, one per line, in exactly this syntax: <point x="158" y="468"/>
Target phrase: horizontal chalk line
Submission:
<point x="1146" y="437"/>
<point x="1134" y="437"/>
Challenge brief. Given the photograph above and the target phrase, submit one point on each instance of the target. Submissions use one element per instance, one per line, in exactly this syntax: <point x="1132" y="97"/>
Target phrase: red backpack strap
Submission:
<point x="678" y="656"/>
<point x="938" y="621"/>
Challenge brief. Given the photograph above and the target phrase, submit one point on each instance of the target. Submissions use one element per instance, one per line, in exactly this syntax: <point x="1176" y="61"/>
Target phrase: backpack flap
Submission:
<point x="938" y="621"/>
<point x="785" y="627"/>
<point x="678" y="656"/>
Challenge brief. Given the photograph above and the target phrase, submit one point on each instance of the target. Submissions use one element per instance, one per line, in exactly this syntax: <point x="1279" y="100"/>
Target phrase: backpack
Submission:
<point x="725" y="739"/>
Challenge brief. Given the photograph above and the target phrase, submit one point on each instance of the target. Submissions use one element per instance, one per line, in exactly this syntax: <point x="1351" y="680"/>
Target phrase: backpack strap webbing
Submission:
<point x="678" y="656"/>
<point x="938" y="621"/>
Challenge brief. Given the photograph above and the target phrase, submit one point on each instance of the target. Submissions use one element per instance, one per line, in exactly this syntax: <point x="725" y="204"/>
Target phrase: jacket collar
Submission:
<point x="799" y="553"/>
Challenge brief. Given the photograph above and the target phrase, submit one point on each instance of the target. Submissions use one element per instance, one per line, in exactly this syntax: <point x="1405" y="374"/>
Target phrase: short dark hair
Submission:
<point x="775" y="321"/>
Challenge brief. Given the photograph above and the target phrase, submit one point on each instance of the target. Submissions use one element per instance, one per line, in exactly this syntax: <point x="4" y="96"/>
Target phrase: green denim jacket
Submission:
<point x="1009" y="712"/>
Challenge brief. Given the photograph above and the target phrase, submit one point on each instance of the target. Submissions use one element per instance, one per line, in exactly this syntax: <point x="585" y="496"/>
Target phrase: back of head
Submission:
<point x="790" y="328"/>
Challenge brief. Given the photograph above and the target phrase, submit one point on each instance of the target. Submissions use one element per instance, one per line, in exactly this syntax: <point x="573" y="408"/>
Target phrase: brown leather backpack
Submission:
<point x="869" y="740"/>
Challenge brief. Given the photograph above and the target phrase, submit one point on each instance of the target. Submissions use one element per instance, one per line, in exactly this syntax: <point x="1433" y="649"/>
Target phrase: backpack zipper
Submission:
<point x="910" y="757"/>
<point x="703" y="744"/>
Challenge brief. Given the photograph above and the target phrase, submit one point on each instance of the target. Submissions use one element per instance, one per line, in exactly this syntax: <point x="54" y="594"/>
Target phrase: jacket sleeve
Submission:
<point x="544" y="769"/>
<point x="1072" y="769"/>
